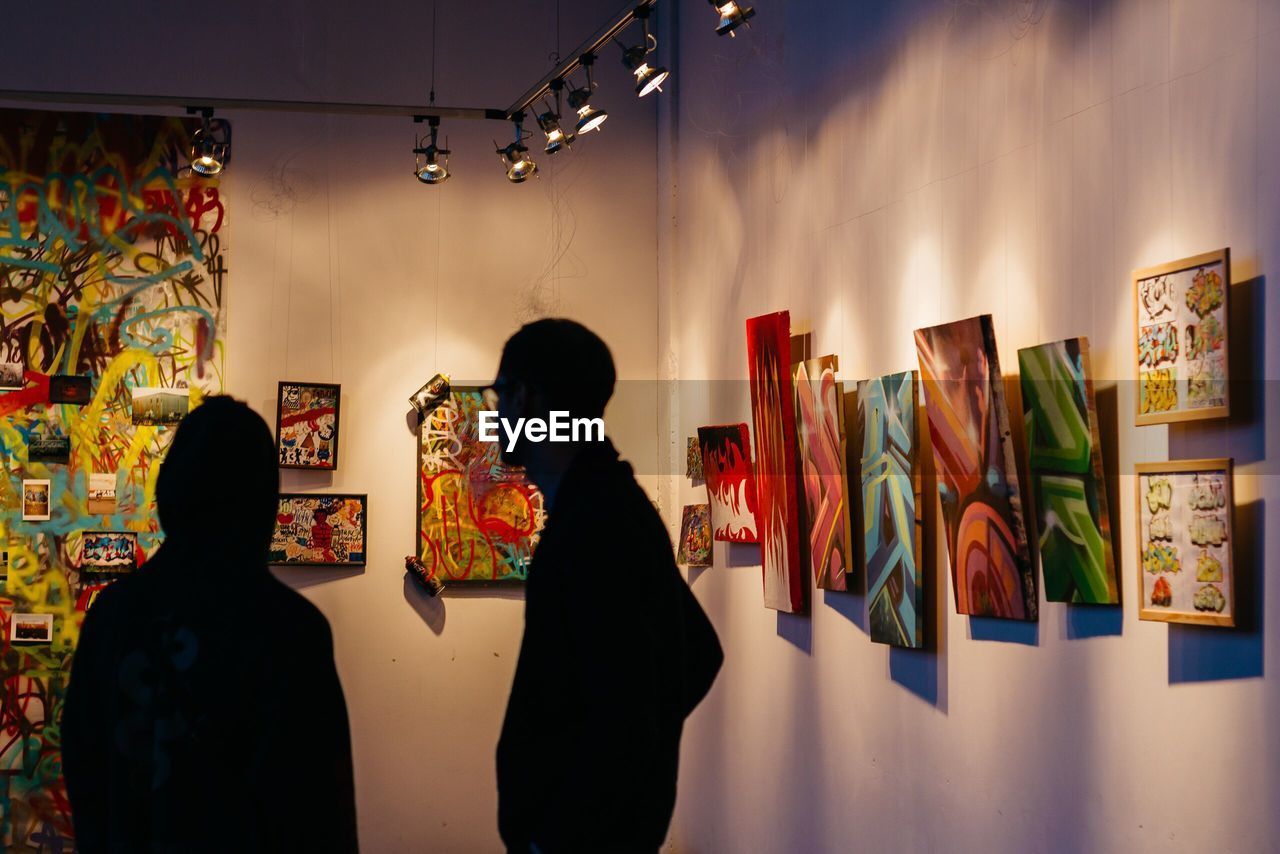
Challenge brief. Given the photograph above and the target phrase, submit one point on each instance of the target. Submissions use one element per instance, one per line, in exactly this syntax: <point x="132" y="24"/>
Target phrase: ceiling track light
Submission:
<point x="731" y="15"/>
<point x="515" y="156"/>
<point x="431" y="162"/>
<point x="210" y="145"/>
<point x="589" y="118"/>
<point x="649" y="78"/>
<point x="549" y="121"/>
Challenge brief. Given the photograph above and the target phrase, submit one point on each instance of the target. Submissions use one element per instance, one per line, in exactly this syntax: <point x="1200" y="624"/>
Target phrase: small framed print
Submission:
<point x="75" y="390"/>
<point x="1185" y="569"/>
<point x="159" y="407"/>
<point x="108" y="551"/>
<point x="36" y="502"/>
<point x="307" y="425"/>
<point x="102" y="494"/>
<point x="1181" y="319"/>
<point x="31" y="628"/>
<point x="316" y="529"/>
<point x="47" y="448"/>
<point x="12" y="376"/>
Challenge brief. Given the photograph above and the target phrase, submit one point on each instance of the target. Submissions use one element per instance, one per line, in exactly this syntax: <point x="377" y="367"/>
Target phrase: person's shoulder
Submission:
<point x="295" y="615"/>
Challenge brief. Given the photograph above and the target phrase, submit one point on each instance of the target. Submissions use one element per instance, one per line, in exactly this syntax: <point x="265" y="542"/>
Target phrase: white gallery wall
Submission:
<point x="878" y="167"/>
<point x="343" y="268"/>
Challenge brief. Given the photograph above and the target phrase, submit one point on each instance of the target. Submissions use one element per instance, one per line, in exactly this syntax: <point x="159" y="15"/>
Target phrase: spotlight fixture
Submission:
<point x="549" y="121"/>
<point x="210" y="145"/>
<point x="731" y="15"/>
<point x="431" y="162"/>
<point x="649" y="78"/>
<point x="589" y="118"/>
<point x="515" y="156"/>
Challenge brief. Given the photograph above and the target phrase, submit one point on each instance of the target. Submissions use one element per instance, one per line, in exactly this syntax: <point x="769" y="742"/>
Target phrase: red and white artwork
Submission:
<point x="731" y="486"/>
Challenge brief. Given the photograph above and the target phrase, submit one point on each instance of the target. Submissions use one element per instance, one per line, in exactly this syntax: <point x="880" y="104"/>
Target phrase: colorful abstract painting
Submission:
<point x="1182" y="324"/>
<point x="891" y="505"/>
<point x="824" y="487"/>
<point x="977" y="472"/>
<point x="307" y="425"/>
<point x="478" y="519"/>
<point x="695" y="536"/>
<point x="1065" y="466"/>
<point x="693" y="459"/>
<point x="774" y="421"/>
<point x="731" y="485"/>
<point x="314" y="529"/>
<point x="1186" y="573"/>
<point x="113" y="259"/>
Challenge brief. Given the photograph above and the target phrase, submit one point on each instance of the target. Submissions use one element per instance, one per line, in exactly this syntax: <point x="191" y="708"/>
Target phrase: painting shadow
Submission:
<point x="1213" y="653"/>
<point x="1093" y="621"/>
<point x="412" y="421"/>
<point x="923" y="672"/>
<point x="696" y="572"/>
<point x="430" y="608"/>
<point x="852" y="606"/>
<point x="797" y="630"/>
<point x="1023" y="632"/>
<point x="301" y="577"/>
<point x="742" y="554"/>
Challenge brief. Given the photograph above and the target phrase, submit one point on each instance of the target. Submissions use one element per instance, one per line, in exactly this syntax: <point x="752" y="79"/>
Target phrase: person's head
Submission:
<point x="219" y="484"/>
<point x="550" y="365"/>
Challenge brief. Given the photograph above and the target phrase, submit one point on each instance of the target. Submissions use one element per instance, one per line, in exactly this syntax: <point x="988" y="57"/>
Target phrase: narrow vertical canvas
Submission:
<point x="731" y="485"/>
<point x="824" y="489"/>
<point x="1065" y="466"/>
<point x="773" y="417"/>
<point x="977" y="472"/>
<point x="695" y="536"/>
<point x="891" y="521"/>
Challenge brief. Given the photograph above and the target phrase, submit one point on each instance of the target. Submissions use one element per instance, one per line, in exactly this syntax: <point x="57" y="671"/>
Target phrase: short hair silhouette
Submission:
<point x="565" y="361"/>
<point x="220" y="481"/>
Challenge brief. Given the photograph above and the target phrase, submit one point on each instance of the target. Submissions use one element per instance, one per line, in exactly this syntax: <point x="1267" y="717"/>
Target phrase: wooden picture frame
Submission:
<point x="1178" y="511"/>
<point x="290" y="456"/>
<point x="280" y="544"/>
<point x="1168" y="311"/>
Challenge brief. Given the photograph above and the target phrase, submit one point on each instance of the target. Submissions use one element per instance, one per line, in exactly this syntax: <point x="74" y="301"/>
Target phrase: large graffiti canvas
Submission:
<point x="773" y="414"/>
<point x="731" y="485"/>
<point x="891" y="517"/>
<point x="113" y="264"/>
<point x="825" y="491"/>
<point x="1065" y="466"/>
<point x="478" y="519"/>
<point x="977" y="471"/>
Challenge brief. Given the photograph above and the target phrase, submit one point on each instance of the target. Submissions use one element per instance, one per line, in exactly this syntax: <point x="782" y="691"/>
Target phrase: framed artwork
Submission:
<point x="695" y="536"/>
<point x="317" y="529"/>
<point x="1181" y="312"/>
<point x="12" y="377"/>
<point x="1185" y="570"/>
<point x="774" y="420"/>
<point x="968" y="417"/>
<point x="693" y="459"/>
<point x="1077" y="558"/>
<point x="891" y="509"/>
<point x="75" y="390"/>
<point x="478" y="519"/>
<point x="731" y="485"/>
<point x="108" y="551"/>
<point x="36" y="503"/>
<point x="31" y="628"/>
<point x="823" y="483"/>
<point x="307" y="417"/>
<point x="48" y="448"/>
<point x="159" y="407"/>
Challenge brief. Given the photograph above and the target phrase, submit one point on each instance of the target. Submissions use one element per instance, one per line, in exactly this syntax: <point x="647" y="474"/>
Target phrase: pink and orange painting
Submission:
<point x="773" y="415"/>
<point x="824" y="487"/>
<point x="977" y="472"/>
<point x="731" y="486"/>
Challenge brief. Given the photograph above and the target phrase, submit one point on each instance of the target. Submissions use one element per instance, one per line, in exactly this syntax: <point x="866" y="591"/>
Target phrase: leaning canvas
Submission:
<point x="891" y="518"/>
<point x="478" y="518"/>
<point x="773" y="416"/>
<point x="731" y="485"/>
<point x="977" y="472"/>
<point x="823" y="485"/>
<point x="1064" y="462"/>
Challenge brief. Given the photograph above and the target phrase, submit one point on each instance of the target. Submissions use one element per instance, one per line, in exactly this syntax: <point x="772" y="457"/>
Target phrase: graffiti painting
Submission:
<point x="695" y="536"/>
<point x="731" y="485"/>
<point x="307" y="425"/>
<point x="823" y="483"/>
<point x="320" y="530"/>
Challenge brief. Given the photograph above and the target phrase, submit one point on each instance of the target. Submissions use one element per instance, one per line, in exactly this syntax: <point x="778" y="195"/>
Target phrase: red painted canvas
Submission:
<point x="773" y="414"/>
<point x="731" y="485"/>
<point x="977" y="473"/>
<point x="824" y="489"/>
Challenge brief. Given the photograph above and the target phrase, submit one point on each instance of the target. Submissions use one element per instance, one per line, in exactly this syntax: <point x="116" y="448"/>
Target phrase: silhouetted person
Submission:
<point x="204" y="712"/>
<point x="616" y="650"/>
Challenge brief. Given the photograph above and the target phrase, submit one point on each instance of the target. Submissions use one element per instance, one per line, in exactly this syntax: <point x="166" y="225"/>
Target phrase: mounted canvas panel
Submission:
<point x="977" y="474"/>
<point x="1065" y="466"/>
<point x="891" y="509"/>
<point x="695" y="536"/>
<point x="317" y="529"/>
<point x="824" y="487"/>
<point x="773" y="414"/>
<point x="731" y="485"/>
<point x="1181" y="312"/>
<point x="478" y="518"/>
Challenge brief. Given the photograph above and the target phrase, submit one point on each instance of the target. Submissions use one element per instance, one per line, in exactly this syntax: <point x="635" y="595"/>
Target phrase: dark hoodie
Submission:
<point x="204" y="712"/>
